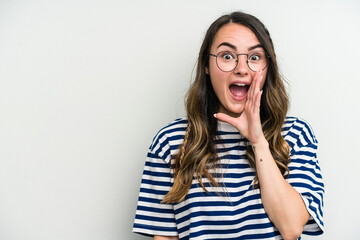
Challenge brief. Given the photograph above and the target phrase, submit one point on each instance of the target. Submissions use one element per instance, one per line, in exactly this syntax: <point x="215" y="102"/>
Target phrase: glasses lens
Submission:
<point x="226" y="61"/>
<point x="257" y="60"/>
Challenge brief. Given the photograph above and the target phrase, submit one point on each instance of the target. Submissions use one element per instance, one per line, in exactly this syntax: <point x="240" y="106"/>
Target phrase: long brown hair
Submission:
<point x="198" y="153"/>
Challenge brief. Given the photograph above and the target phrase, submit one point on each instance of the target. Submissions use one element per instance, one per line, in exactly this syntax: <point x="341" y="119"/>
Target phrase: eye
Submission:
<point x="256" y="56"/>
<point x="227" y="56"/>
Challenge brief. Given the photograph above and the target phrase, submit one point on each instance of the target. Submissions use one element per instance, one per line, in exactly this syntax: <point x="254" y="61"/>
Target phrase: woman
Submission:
<point x="236" y="167"/>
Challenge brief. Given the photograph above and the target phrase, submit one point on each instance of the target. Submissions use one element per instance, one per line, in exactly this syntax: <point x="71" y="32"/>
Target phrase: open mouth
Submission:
<point x="239" y="90"/>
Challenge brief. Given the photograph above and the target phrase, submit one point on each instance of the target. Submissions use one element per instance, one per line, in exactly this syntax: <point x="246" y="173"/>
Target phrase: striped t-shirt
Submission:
<point x="234" y="210"/>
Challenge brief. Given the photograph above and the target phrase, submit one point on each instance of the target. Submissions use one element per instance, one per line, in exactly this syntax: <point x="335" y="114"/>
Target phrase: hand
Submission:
<point x="249" y="122"/>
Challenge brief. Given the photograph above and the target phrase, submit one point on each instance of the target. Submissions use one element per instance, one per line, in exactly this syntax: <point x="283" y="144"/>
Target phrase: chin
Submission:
<point x="234" y="111"/>
<point x="235" y="114"/>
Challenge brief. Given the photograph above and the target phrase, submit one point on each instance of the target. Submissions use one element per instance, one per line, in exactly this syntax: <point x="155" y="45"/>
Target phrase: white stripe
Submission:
<point x="162" y="224"/>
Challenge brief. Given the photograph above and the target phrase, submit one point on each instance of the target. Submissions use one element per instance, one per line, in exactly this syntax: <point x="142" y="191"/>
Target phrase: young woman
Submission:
<point x="236" y="167"/>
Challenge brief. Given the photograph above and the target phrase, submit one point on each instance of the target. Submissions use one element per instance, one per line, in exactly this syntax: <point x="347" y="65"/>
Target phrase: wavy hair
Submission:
<point x="198" y="154"/>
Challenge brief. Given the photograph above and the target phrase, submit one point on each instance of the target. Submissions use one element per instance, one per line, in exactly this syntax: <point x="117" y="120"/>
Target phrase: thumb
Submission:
<point x="225" y="118"/>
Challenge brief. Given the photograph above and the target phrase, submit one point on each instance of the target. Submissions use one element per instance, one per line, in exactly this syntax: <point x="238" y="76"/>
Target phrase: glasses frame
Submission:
<point x="237" y="59"/>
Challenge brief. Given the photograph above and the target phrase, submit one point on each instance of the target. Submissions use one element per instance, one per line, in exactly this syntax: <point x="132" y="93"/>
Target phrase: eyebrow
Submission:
<point x="256" y="46"/>
<point x="234" y="47"/>
<point x="227" y="44"/>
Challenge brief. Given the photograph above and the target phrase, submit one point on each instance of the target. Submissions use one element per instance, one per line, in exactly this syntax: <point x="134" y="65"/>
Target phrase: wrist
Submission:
<point x="261" y="143"/>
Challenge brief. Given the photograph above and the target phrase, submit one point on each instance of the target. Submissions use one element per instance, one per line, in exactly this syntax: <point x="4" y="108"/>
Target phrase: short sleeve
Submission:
<point x="153" y="217"/>
<point x="305" y="174"/>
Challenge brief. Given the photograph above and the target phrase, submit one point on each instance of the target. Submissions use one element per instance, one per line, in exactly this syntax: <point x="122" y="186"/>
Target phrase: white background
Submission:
<point x="86" y="84"/>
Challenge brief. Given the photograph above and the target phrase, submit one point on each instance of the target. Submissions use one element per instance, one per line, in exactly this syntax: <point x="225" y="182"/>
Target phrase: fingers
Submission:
<point x="255" y="85"/>
<point x="257" y="81"/>
<point x="258" y="100"/>
<point x="254" y="93"/>
<point x="258" y="92"/>
<point x="226" y="118"/>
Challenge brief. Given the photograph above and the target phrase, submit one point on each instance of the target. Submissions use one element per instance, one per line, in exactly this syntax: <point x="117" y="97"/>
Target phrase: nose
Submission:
<point x="242" y="66"/>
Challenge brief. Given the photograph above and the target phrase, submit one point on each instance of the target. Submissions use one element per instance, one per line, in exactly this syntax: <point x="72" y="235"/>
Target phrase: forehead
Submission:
<point x="236" y="34"/>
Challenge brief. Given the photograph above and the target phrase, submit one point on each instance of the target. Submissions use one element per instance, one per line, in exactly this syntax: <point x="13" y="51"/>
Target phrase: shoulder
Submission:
<point x="169" y="136"/>
<point x="298" y="132"/>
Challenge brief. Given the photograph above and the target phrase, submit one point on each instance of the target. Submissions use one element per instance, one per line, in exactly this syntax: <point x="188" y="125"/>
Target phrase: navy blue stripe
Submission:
<point x="229" y="222"/>
<point x="294" y="136"/>
<point x="166" y="154"/>
<point x="238" y="175"/>
<point x="223" y="222"/>
<point x="243" y="166"/>
<point x="155" y="210"/>
<point x="319" y="190"/>
<point x="227" y="141"/>
<point x="311" y="221"/>
<point x="222" y="133"/>
<point x="156" y="183"/>
<point x="176" y="137"/>
<point x="214" y="194"/>
<point x="155" y="228"/>
<point x="156" y="165"/>
<point x="149" y="200"/>
<point x="175" y="146"/>
<point x="153" y="191"/>
<point x="156" y="174"/>
<point x="152" y="155"/>
<point x="285" y="129"/>
<point x="219" y="204"/>
<point x="316" y="233"/>
<point x="222" y="149"/>
<point x="237" y="230"/>
<point x="305" y="176"/>
<point x="304" y="162"/>
<point x="152" y="218"/>
<point x="303" y="153"/>
<point x="234" y="157"/>
<point x="226" y="184"/>
<point x="289" y="119"/>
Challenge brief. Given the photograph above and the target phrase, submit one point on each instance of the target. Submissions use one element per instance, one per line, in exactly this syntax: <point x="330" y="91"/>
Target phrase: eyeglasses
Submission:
<point x="227" y="61"/>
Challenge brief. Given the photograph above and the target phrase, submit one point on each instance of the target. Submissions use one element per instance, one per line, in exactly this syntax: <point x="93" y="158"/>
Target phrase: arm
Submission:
<point x="281" y="201"/>
<point x="165" y="238"/>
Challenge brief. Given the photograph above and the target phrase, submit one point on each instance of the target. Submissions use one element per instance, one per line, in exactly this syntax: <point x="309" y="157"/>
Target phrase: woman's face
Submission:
<point x="231" y="87"/>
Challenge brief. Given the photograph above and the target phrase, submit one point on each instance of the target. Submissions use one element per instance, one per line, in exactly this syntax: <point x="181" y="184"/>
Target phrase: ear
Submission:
<point x="207" y="70"/>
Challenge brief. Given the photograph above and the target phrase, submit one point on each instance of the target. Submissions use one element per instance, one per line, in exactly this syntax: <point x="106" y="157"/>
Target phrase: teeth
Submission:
<point x="240" y="84"/>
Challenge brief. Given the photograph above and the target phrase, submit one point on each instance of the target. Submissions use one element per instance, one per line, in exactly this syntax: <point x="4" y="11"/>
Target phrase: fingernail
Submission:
<point x="215" y="115"/>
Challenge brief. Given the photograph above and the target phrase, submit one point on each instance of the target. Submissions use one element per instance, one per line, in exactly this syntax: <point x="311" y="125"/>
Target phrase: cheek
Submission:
<point x="212" y="68"/>
<point x="218" y="79"/>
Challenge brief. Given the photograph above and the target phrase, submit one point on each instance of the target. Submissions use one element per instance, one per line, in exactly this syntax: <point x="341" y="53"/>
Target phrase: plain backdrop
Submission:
<point x="86" y="84"/>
